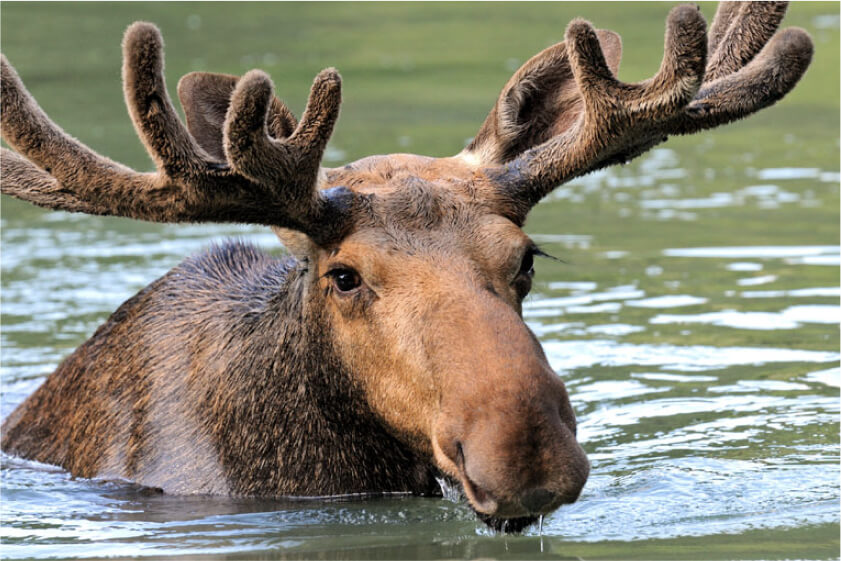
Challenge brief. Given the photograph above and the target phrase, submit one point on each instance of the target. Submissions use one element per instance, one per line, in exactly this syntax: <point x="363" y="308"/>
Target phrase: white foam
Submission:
<point x="763" y="294"/>
<point x="570" y="355"/>
<point x="605" y="308"/>
<point x="816" y="292"/>
<point x="760" y="190"/>
<point x="825" y="260"/>
<point x="759" y="251"/>
<point x="828" y="291"/>
<point x="666" y="377"/>
<point x="731" y="318"/>
<point x="671" y="301"/>
<point x="542" y="313"/>
<point x="572" y="241"/>
<point x="830" y="177"/>
<point x="605" y="390"/>
<point x="752" y="386"/>
<point x="828" y="377"/>
<point x="766" y="196"/>
<point x="790" y="318"/>
<point x="754" y="281"/>
<point x="615" y="254"/>
<point x="615" y="329"/>
<point x="744" y="267"/>
<point x="788" y="173"/>
<point x="583" y="286"/>
<point x="717" y="200"/>
<point x="541" y="329"/>
<point x="623" y="292"/>
<point x="814" y="313"/>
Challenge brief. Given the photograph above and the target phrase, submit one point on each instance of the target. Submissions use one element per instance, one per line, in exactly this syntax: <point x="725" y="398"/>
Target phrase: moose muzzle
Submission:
<point x="505" y="428"/>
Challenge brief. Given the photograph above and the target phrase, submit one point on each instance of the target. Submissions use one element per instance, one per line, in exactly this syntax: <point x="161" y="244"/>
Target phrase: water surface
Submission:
<point x="694" y="319"/>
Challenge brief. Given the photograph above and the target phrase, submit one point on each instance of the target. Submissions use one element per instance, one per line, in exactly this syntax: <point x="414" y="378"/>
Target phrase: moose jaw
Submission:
<point x="335" y="371"/>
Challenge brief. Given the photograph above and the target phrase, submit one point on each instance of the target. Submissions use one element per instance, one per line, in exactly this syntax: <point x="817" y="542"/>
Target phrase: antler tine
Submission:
<point x="596" y="83"/>
<point x="190" y="184"/>
<point x="761" y="83"/>
<point x="25" y="178"/>
<point x="749" y="26"/>
<point x="740" y="81"/>
<point x="165" y="137"/>
<point x="616" y="114"/>
<point x="682" y="69"/>
<point x="746" y="72"/>
<point x="205" y="97"/>
<point x="81" y="174"/>
<point x="674" y="85"/>
<point x="289" y="166"/>
<point x="724" y="15"/>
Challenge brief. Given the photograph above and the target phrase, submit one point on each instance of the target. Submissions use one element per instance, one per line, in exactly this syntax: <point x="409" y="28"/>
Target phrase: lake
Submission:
<point x="694" y="316"/>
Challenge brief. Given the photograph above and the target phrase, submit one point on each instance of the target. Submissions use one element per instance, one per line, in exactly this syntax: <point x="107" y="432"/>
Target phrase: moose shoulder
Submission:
<point x="389" y="348"/>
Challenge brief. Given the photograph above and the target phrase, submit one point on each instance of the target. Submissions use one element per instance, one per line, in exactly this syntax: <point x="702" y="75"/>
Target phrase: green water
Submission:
<point x="705" y="382"/>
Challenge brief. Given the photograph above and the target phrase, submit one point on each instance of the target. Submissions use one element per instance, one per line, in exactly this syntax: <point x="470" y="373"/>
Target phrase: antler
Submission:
<point x="605" y="121"/>
<point x="264" y="180"/>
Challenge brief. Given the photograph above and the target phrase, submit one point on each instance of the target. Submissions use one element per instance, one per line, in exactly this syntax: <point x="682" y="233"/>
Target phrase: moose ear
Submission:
<point x="205" y="98"/>
<point x="296" y="243"/>
<point x="540" y="101"/>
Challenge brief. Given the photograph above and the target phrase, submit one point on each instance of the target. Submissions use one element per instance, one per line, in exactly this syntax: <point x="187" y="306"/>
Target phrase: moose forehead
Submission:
<point x="405" y="192"/>
<point x="424" y="204"/>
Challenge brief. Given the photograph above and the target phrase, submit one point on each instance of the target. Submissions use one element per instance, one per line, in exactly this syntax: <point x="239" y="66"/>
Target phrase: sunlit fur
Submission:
<point x="389" y="348"/>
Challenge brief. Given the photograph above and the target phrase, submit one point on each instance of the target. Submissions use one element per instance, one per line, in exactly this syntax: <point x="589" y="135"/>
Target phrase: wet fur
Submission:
<point x="223" y="381"/>
<point x="240" y="374"/>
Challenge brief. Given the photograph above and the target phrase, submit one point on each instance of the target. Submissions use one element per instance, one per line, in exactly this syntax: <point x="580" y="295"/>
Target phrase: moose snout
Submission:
<point x="536" y="500"/>
<point x="504" y="426"/>
<point x="516" y="459"/>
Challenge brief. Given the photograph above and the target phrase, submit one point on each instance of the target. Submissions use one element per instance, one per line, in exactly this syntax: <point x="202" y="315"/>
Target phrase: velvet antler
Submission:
<point x="564" y="113"/>
<point x="261" y="180"/>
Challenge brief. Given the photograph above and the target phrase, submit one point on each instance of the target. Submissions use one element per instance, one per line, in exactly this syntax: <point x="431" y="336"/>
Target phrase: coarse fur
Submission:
<point x="390" y="348"/>
<point x="224" y="340"/>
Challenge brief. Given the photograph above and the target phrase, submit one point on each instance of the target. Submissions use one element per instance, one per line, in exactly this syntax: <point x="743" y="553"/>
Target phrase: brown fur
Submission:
<point x="205" y="98"/>
<point x="223" y="341"/>
<point x="239" y="374"/>
<point x="748" y="68"/>
<point x="540" y="101"/>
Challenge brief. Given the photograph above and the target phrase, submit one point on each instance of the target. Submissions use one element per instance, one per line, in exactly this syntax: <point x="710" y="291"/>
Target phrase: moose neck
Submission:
<point x="305" y="428"/>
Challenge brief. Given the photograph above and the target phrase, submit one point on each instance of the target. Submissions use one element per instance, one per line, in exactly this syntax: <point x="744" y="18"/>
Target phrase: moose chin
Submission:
<point x="389" y="347"/>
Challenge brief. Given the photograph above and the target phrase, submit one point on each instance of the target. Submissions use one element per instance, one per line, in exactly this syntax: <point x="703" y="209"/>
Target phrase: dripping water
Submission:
<point x="450" y="490"/>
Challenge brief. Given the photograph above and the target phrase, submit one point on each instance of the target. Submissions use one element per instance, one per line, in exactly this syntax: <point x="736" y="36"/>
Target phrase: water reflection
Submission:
<point x="694" y="438"/>
<point x="789" y="318"/>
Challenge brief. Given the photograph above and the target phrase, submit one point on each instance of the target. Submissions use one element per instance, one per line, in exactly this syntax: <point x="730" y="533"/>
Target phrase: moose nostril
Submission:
<point x="459" y="455"/>
<point x="537" y="499"/>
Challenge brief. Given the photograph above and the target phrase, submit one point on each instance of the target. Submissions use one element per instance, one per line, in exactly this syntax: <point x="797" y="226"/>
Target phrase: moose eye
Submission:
<point x="345" y="280"/>
<point x="527" y="265"/>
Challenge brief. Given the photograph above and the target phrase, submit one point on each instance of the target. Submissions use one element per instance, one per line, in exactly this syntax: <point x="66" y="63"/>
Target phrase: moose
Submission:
<point x="388" y="348"/>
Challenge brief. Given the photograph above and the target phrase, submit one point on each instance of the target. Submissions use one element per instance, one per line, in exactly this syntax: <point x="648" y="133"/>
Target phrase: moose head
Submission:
<point x="409" y="271"/>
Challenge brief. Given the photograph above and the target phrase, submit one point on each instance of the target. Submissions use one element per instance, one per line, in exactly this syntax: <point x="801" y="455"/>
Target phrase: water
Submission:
<point x="690" y="436"/>
<point x="695" y="321"/>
